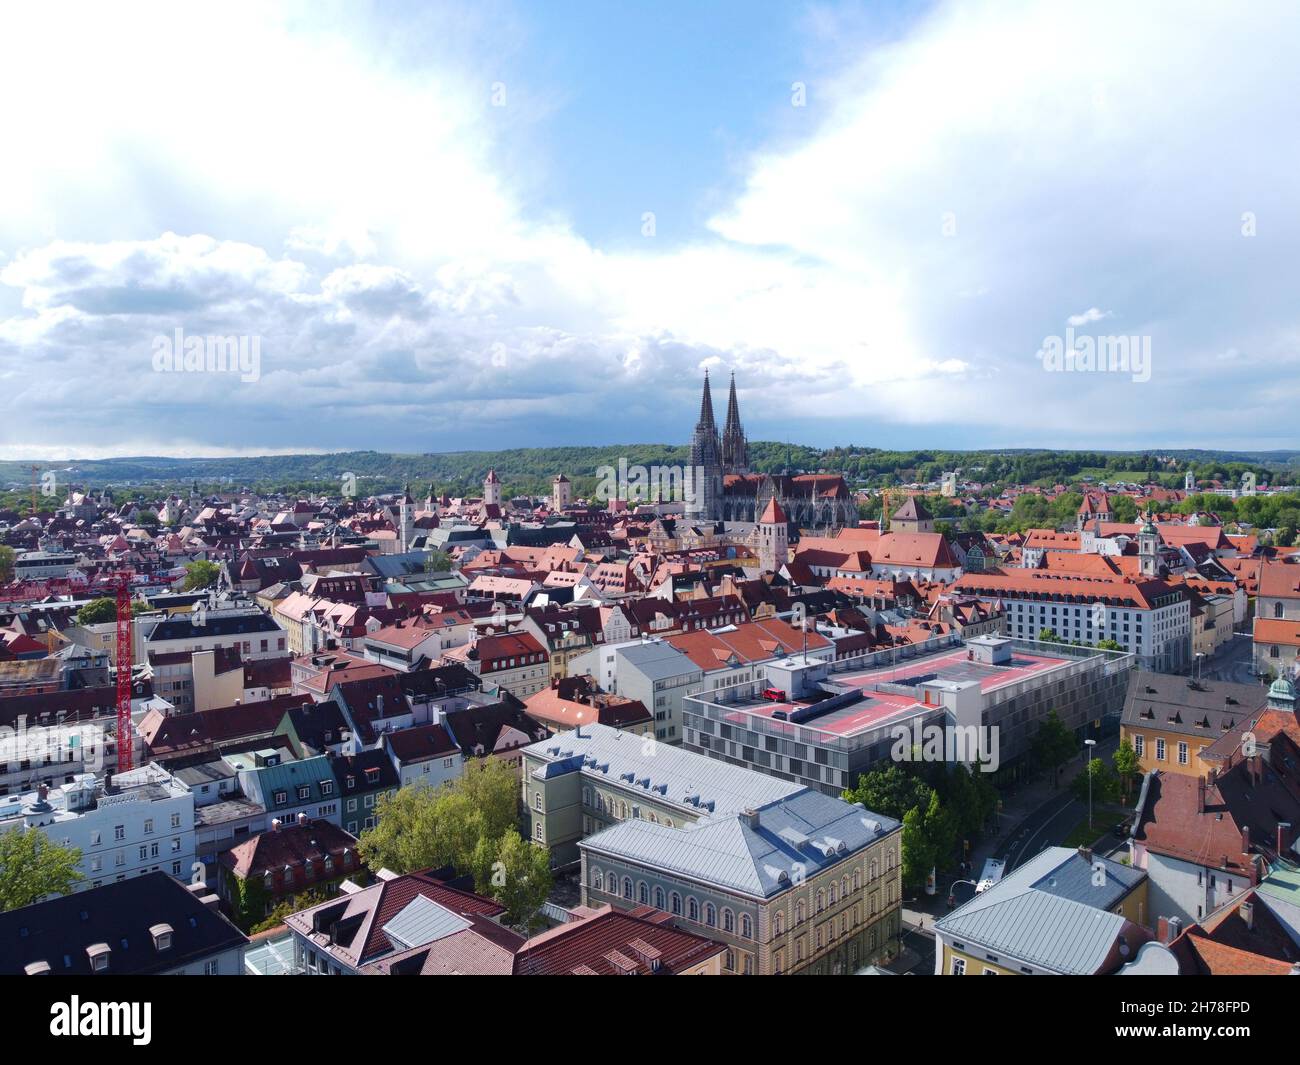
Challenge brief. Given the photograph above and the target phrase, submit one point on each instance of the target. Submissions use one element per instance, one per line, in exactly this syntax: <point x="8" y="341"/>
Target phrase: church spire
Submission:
<point x="706" y="405"/>
<point x="735" y="449"/>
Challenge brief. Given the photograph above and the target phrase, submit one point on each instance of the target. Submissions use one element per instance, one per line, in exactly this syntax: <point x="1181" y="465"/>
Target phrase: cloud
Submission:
<point x="961" y="185"/>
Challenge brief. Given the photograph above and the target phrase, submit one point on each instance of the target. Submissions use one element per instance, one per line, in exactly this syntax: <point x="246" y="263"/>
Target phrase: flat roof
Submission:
<point x="881" y="708"/>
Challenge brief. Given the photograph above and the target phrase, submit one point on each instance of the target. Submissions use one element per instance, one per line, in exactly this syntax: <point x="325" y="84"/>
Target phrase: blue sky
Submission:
<point x="430" y="218"/>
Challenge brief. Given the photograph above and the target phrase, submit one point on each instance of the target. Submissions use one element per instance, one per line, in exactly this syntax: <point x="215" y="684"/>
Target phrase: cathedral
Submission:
<point x="728" y="491"/>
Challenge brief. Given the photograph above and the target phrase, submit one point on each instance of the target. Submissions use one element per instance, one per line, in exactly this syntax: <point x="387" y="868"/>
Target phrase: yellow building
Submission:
<point x="1170" y="720"/>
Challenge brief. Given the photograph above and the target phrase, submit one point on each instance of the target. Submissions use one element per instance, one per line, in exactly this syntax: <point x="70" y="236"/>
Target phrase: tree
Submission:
<point x="1053" y="746"/>
<point x="422" y="827"/>
<point x="1048" y="636"/>
<point x="200" y="574"/>
<point x="7" y="556"/>
<point x="437" y="562"/>
<point x="32" y="867"/>
<point x="1126" y="765"/>
<point x="891" y="791"/>
<point x="1105" y="784"/>
<point x="1108" y="645"/>
<point x="97" y="611"/>
<point x="918" y="851"/>
<point x="515" y="873"/>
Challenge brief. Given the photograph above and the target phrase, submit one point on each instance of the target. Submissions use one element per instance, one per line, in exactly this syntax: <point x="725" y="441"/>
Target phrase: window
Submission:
<point x="693" y="908"/>
<point x="627" y="889"/>
<point x="675" y="900"/>
<point x="659" y="898"/>
<point x="728" y="921"/>
<point x="1182" y="753"/>
<point x="958" y="966"/>
<point x="1160" y="749"/>
<point x="1139" y="745"/>
<point x="747" y="926"/>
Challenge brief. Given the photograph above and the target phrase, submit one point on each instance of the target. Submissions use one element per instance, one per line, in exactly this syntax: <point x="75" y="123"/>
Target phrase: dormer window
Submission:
<point x="99" y="955"/>
<point x="162" y="937"/>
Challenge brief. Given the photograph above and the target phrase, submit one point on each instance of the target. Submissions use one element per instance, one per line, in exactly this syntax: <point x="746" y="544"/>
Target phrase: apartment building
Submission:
<point x="125" y="825"/>
<point x="791" y="880"/>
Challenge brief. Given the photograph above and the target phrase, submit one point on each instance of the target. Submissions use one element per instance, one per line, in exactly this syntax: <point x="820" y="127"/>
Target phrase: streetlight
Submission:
<point x="1090" y="745"/>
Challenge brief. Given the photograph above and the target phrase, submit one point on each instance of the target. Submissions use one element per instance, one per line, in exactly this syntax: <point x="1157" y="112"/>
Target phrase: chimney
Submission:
<point x="1283" y="837"/>
<point x="42" y="792"/>
<point x="275" y="824"/>
<point x="1200" y="795"/>
<point x="1247" y="912"/>
<point x="1175" y="927"/>
<point x="1086" y="854"/>
<point x="1245" y="839"/>
<point x="1162" y="930"/>
<point x="302" y="818"/>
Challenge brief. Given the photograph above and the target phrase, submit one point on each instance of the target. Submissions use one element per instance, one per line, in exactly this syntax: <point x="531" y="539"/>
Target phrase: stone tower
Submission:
<point x="492" y="489"/>
<point x="561" y="493"/>
<point x="1148" y="543"/>
<point x="704" y="480"/>
<point x="735" y="448"/>
<point x="773" y="538"/>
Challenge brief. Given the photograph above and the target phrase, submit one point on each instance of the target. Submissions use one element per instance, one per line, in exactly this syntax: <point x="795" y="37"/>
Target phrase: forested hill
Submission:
<point x="529" y="470"/>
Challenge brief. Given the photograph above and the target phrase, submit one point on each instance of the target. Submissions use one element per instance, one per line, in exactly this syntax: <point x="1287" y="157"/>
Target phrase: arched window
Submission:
<point x="693" y="908"/>
<point x="821" y="900"/>
<point x="597" y="881"/>
<point x="857" y="880"/>
<point x="643" y="893"/>
<point x="675" y="901"/>
<point x="659" y="898"/>
<point x="778" y="923"/>
<point x="627" y="888"/>
<point x="844" y="887"/>
<point x="728" y="921"/>
<point x="746" y="926"/>
<point x="710" y="915"/>
<point x="833" y="895"/>
<point x="799" y="912"/>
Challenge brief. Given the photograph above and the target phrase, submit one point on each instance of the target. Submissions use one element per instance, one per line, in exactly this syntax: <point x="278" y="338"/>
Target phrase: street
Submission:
<point x="1233" y="663"/>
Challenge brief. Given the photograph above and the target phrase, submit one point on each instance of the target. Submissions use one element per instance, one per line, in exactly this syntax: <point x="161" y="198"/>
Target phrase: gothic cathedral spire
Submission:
<point x="735" y="449"/>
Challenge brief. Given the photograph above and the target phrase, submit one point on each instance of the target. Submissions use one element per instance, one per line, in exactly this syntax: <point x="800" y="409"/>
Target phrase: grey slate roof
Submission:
<point x="1047" y="913"/>
<point x="658" y="661"/>
<point x="672" y="774"/>
<point x="795" y="837"/>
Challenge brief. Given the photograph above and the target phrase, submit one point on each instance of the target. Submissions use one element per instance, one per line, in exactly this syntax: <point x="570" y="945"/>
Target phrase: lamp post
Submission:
<point x="1090" y="744"/>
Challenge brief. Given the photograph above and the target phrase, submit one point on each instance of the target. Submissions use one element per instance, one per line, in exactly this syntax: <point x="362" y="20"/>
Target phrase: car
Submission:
<point x="774" y="695"/>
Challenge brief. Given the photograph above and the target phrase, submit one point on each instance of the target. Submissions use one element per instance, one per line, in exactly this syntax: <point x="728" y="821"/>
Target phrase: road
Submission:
<point x="1049" y="824"/>
<point x="1233" y="663"/>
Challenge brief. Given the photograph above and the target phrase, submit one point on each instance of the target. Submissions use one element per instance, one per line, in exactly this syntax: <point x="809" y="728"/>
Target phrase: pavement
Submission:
<point x="1234" y="662"/>
<point x="1032" y="816"/>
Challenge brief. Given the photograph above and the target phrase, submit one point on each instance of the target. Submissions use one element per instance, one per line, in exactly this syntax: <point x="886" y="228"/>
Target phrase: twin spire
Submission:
<point x="734" y="446"/>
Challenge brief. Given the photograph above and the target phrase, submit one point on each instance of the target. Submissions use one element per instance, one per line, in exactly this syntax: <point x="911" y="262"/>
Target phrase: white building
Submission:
<point x="124" y="825"/>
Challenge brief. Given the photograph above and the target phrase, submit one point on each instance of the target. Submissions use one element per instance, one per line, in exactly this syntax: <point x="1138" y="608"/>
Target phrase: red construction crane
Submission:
<point x="125" y="729"/>
<point x="120" y="582"/>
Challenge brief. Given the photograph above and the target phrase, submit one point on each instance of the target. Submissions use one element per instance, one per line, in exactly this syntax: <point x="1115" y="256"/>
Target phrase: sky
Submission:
<point x="442" y="227"/>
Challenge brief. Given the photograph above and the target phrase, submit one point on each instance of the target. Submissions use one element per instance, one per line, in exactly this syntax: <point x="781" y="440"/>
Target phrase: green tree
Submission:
<point x="7" y="556"/>
<point x="1105" y="784"/>
<point x="437" y="562"/>
<point x="1126" y="765"/>
<point x="1108" y="645"/>
<point x="515" y="873"/>
<point x="32" y="867"/>
<point x="918" y="850"/>
<point x="200" y="574"/>
<point x="422" y="827"/>
<point x="97" y="611"/>
<point x="1048" y="636"/>
<point x="891" y="791"/>
<point x="1053" y="745"/>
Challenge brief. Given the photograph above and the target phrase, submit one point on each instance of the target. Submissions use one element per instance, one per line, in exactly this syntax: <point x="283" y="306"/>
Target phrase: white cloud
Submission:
<point x="957" y="194"/>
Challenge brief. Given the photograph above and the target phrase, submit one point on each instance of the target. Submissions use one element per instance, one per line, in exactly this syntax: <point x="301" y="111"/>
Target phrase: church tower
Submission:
<point x="1148" y="540"/>
<point x="704" y="483"/>
<point x="773" y="538"/>
<point x="735" y="448"/>
<point x="492" y="489"/>
<point x="561" y="493"/>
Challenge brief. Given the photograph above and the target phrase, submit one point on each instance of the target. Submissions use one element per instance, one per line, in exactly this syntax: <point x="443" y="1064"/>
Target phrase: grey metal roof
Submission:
<point x="423" y="921"/>
<point x="1047" y="913"/>
<point x="796" y="837"/>
<point x="662" y="772"/>
<point x="658" y="661"/>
